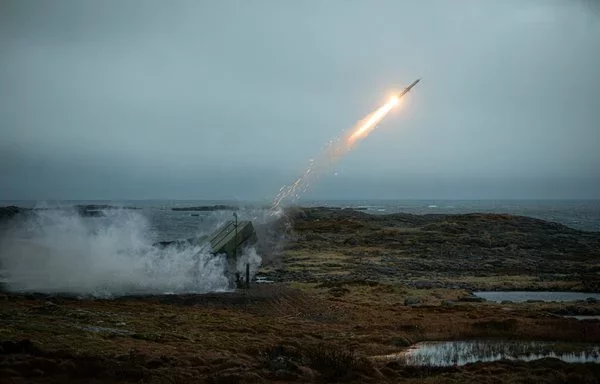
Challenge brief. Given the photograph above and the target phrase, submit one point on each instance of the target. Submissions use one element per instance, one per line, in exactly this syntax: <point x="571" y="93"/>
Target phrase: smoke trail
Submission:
<point x="334" y="151"/>
<point x="60" y="251"/>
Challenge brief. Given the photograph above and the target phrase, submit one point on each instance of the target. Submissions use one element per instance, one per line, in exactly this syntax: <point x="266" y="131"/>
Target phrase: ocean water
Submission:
<point x="166" y="224"/>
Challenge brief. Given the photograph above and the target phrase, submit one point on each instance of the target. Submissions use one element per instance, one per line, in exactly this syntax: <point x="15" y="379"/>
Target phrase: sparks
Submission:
<point x="337" y="149"/>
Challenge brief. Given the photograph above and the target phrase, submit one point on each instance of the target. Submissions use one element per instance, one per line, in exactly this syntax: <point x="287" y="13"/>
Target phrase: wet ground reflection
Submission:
<point x="448" y="353"/>
<point x="522" y="296"/>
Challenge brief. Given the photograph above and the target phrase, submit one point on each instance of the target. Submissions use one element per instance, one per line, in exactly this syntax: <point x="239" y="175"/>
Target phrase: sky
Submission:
<point x="230" y="99"/>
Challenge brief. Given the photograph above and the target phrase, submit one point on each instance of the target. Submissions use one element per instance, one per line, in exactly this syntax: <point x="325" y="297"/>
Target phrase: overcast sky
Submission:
<point x="230" y="99"/>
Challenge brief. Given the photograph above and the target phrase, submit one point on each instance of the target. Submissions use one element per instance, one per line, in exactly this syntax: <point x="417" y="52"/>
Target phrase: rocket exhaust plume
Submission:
<point x="370" y="122"/>
<point x="336" y="149"/>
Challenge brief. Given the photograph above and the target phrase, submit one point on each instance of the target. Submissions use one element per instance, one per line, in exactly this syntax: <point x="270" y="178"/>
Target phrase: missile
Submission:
<point x="407" y="89"/>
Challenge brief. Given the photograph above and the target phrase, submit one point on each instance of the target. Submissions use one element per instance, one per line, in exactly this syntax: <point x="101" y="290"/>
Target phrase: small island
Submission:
<point x="207" y="208"/>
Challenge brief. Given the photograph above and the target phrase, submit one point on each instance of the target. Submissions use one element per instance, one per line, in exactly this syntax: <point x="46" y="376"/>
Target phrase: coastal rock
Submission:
<point x="97" y="210"/>
<point x="10" y="211"/>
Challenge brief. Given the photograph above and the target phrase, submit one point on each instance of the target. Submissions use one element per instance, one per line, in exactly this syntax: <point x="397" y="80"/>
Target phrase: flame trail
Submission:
<point x="334" y="151"/>
<point x="372" y="120"/>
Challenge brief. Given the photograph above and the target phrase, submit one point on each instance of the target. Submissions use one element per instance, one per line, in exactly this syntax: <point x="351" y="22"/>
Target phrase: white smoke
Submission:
<point x="249" y="257"/>
<point x="60" y="251"/>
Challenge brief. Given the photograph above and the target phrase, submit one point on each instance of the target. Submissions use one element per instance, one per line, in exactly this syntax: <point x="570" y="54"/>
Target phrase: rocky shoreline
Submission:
<point x="84" y="210"/>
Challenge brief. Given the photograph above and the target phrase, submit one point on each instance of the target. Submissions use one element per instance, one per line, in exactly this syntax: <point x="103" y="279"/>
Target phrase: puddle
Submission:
<point x="448" y="353"/>
<point x="584" y="317"/>
<point x="263" y="280"/>
<point x="522" y="296"/>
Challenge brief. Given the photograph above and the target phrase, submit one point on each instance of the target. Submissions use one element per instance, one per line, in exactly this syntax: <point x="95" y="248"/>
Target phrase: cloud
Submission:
<point x="153" y="92"/>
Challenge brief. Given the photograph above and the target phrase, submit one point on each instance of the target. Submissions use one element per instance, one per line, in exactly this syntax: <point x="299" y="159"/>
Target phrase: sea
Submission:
<point x="167" y="224"/>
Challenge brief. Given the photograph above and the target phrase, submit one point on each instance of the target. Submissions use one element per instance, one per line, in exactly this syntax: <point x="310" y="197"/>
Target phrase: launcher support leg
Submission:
<point x="247" y="275"/>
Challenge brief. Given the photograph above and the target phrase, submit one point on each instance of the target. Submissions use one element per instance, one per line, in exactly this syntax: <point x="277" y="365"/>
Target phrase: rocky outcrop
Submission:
<point x="96" y="210"/>
<point x="10" y="211"/>
<point x="85" y="210"/>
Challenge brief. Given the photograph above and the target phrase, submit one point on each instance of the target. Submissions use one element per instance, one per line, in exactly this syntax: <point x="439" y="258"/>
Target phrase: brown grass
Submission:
<point x="224" y="335"/>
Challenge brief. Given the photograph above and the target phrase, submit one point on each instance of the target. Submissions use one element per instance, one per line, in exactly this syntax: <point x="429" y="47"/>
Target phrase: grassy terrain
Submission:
<point x="351" y="286"/>
<point x="473" y="251"/>
<point x="244" y="336"/>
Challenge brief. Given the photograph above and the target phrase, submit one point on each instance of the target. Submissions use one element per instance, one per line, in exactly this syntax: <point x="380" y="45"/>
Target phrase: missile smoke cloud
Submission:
<point x="59" y="251"/>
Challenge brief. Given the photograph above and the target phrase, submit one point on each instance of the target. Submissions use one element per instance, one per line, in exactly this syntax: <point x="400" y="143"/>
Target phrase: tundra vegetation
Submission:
<point x="349" y="286"/>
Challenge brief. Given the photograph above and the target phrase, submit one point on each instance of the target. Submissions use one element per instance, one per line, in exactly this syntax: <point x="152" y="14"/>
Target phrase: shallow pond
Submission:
<point x="584" y="317"/>
<point x="521" y="296"/>
<point x="448" y="353"/>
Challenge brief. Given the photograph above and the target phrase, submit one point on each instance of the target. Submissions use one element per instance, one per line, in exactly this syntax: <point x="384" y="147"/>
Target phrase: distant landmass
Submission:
<point x="207" y="208"/>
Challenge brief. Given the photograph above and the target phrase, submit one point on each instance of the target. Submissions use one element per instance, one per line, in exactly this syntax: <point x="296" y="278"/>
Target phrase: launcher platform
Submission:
<point x="230" y="239"/>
